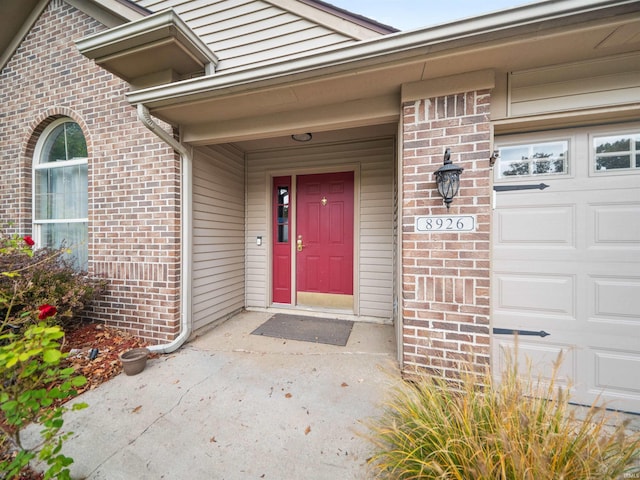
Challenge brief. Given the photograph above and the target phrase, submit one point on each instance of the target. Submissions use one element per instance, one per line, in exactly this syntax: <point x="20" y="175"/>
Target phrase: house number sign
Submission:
<point x="446" y="223"/>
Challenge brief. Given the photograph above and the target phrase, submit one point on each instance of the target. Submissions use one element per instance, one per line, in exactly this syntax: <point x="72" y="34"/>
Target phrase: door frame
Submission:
<point x="294" y="173"/>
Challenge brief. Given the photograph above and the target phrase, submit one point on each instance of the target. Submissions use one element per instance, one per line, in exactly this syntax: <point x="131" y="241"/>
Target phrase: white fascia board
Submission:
<point x="123" y="11"/>
<point x="128" y="10"/>
<point x="22" y="33"/>
<point x="353" y="27"/>
<point x="100" y="42"/>
<point x="390" y="48"/>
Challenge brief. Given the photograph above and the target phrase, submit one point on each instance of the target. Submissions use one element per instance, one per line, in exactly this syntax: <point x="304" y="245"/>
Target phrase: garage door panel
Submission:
<point x="539" y="358"/>
<point x="615" y="225"/>
<point x="528" y="227"/>
<point x="535" y="294"/>
<point x="616" y="300"/>
<point x="611" y="373"/>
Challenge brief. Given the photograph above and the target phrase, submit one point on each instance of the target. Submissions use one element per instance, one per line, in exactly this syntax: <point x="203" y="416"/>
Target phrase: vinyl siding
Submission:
<point x="374" y="160"/>
<point x="245" y="33"/>
<point x="592" y="84"/>
<point x="218" y="234"/>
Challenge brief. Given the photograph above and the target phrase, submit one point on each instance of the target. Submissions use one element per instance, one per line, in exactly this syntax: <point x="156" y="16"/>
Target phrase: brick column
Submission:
<point x="445" y="276"/>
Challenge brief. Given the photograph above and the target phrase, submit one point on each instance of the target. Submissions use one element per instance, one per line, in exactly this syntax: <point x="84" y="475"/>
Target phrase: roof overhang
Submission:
<point x="19" y="16"/>
<point x="157" y="49"/>
<point x="362" y="84"/>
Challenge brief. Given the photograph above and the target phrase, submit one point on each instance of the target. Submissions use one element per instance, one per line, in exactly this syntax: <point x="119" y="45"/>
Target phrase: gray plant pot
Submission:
<point x="134" y="360"/>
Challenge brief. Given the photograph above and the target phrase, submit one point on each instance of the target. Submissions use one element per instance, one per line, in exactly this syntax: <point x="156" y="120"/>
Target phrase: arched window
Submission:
<point x="60" y="189"/>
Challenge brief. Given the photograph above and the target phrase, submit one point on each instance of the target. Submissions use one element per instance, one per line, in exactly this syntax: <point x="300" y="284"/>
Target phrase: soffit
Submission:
<point x="18" y="16"/>
<point x="319" y="137"/>
<point x="14" y="14"/>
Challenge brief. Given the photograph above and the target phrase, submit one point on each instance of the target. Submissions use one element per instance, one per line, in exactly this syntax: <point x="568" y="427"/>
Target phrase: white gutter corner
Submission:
<point x="185" y="262"/>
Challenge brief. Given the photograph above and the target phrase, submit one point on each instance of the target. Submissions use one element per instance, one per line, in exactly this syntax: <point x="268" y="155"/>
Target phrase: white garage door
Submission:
<point x="566" y="259"/>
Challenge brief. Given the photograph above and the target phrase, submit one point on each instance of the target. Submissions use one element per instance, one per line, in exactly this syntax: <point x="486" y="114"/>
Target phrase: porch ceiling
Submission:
<point x="366" y="91"/>
<point x="319" y="137"/>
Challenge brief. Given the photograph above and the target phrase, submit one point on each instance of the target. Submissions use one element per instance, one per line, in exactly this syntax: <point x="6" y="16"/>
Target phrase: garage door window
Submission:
<point x="530" y="159"/>
<point x="617" y="152"/>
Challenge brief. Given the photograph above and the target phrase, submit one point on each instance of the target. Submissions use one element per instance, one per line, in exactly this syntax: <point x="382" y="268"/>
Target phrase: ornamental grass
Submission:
<point x="518" y="428"/>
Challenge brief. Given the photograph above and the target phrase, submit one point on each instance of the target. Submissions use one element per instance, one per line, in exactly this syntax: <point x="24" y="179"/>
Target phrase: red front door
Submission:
<point x="324" y="239"/>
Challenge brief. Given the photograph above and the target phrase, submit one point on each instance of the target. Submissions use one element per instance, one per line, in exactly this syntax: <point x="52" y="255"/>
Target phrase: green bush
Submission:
<point x="515" y="429"/>
<point x="35" y="287"/>
<point x="33" y="385"/>
<point x="30" y="278"/>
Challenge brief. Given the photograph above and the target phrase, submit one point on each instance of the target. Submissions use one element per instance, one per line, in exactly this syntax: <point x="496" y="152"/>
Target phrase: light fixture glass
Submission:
<point x="302" y="137"/>
<point x="448" y="179"/>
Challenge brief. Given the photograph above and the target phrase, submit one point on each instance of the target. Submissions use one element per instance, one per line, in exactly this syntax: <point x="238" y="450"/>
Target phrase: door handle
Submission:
<point x="299" y="243"/>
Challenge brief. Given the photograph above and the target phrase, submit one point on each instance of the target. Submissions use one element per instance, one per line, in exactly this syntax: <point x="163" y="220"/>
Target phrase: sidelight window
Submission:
<point x="283" y="213"/>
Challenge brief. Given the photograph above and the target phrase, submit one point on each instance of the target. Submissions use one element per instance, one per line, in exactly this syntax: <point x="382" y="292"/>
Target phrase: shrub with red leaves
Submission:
<point x="41" y="277"/>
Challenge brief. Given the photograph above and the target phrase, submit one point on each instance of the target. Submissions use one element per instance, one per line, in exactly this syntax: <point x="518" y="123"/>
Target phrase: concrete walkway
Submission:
<point x="230" y="405"/>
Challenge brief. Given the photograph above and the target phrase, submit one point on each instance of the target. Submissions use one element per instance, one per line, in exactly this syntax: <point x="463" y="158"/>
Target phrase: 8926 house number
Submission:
<point x="446" y="223"/>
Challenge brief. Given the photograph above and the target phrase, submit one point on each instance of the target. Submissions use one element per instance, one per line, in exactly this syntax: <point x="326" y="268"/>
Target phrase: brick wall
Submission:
<point x="134" y="179"/>
<point x="445" y="276"/>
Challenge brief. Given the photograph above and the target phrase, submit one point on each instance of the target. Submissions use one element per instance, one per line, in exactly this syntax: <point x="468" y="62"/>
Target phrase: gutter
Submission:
<point x="374" y="52"/>
<point x="186" y="214"/>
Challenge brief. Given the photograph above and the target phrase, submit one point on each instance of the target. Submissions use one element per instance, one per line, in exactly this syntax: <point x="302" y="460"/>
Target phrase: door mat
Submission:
<point x="306" y="329"/>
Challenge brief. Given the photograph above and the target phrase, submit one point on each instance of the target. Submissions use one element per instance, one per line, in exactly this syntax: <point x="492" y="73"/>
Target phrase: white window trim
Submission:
<point x="37" y="165"/>
<point x="61" y="163"/>
<point x="633" y="132"/>
<point x="535" y="138"/>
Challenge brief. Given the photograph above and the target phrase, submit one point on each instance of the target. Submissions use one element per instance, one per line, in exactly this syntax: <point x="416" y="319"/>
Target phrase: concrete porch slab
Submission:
<point x="230" y="405"/>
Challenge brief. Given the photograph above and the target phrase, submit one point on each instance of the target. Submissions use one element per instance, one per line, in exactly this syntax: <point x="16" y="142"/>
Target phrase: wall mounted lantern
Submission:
<point x="448" y="179"/>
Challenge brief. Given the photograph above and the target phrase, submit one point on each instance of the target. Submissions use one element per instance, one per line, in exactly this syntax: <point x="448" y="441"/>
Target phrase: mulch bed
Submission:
<point x="79" y="341"/>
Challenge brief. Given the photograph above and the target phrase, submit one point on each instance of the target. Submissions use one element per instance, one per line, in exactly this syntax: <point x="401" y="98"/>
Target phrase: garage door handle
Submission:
<point x="508" y="331"/>
<point x="509" y="188"/>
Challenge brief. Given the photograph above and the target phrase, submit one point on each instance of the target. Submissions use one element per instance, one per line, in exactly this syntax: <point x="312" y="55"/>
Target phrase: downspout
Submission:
<point x="185" y="274"/>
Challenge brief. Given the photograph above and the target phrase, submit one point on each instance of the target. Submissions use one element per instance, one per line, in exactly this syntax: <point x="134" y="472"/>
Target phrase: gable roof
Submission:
<point x="251" y="32"/>
<point x="190" y="38"/>
<point x="366" y="82"/>
<point x="241" y="32"/>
